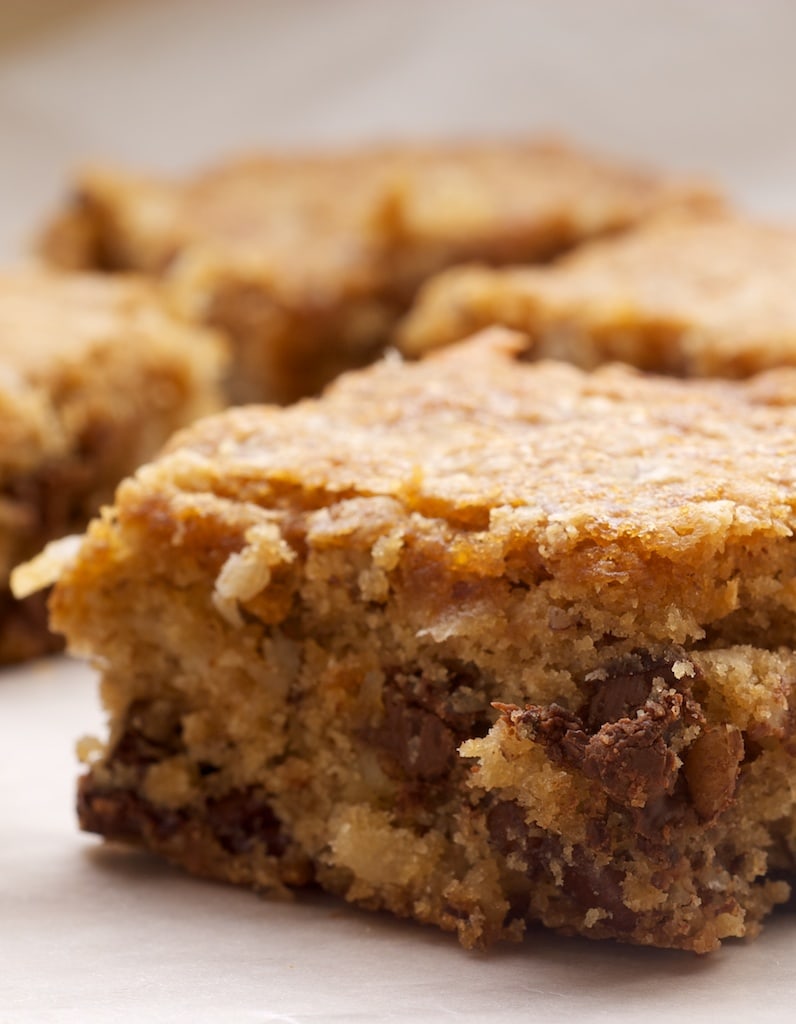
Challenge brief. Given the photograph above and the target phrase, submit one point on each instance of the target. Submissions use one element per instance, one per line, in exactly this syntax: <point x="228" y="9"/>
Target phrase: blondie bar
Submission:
<point x="306" y="262"/>
<point x="479" y="641"/>
<point x="95" y="374"/>
<point x="697" y="296"/>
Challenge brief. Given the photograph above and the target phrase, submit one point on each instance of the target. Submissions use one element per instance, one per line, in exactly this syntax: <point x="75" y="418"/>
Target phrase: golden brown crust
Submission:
<point x="94" y="376"/>
<point x="307" y="261"/>
<point x="477" y="438"/>
<point x="706" y="295"/>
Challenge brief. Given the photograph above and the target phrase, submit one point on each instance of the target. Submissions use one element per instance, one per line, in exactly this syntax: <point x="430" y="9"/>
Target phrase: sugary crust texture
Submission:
<point x="477" y="641"/>
<point x="550" y="456"/>
<point x="95" y="374"/>
<point x="697" y="296"/>
<point x="307" y="261"/>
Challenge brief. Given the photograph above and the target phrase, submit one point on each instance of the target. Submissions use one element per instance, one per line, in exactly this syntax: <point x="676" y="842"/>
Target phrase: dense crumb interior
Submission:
<point x="384" y="675"/>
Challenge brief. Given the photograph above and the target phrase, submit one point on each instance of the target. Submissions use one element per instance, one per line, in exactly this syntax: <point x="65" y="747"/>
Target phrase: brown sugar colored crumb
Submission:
<point x="697" y="296"/>
<point x="478" y="641"/>
<point x="307" y="261"/>
<point x="95" y="374"/>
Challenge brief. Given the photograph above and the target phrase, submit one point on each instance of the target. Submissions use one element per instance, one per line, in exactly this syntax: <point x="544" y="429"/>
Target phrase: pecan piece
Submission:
<point x="711" y="769"/>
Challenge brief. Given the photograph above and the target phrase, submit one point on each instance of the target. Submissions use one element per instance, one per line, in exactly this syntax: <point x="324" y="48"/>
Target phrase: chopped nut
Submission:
<point x="711" y="769"/>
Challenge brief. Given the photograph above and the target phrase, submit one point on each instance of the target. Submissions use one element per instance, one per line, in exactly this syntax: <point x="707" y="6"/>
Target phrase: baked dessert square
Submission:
<point x="697" y="296"/>
<point x="307" y="261"/>
<point x="478" y="641"/>
<point x="95" y="374"/>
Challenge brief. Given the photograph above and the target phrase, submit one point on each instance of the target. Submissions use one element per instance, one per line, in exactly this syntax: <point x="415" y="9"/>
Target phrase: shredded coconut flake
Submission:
<point x="248" y="572"/>
<point x="45" y="569"/>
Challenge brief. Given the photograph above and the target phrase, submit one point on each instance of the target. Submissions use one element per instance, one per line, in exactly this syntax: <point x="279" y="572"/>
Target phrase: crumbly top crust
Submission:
<point x="720" y="289"/>
<point x="318" y="224"/>
<point x="516" y="454"/>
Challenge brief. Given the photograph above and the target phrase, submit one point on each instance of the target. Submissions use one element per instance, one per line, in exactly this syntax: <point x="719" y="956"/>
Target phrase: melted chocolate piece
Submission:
<point x="560" y="731"/>
<point x="236" y="821"/>
<point x="153" y="733"/>
<point x="589" y="886"/>
<point x="625" y="736"/>
<point x="241" y="818"/>
<point x="585" y="883"/>
<point x="508" y="832"/>
<point x="417" y="743"/>
<point x="124" y="816"/>
<point x="624" y="685"/>
<point x="422" y="726"/>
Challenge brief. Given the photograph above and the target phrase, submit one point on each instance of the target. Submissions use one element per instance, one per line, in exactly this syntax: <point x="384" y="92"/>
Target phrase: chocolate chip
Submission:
<point x="624" y="685"/>
<point x="123" y="815"/>
<point x="508" y="832"/>
<point x="426" y="719"/>
<point x="115" y="814"/>
<point x="242" y="818"/>
<point x="631" y="761"/>
<point x="415" y="741"/>
<point x="651" y="822"/>
<point x="236" y="821"/>
<point x="586" y="884"/>
<point x="589" y="885"/>
<point x="632" y="754"/>
<point x="558" y="729"/>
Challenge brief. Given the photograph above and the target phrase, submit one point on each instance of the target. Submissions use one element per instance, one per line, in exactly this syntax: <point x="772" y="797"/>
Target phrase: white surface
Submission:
<point x="102" y="936"/>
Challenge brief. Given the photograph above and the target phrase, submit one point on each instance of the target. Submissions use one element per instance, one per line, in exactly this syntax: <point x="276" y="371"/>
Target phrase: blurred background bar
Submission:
<point x="166" y="84"/>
